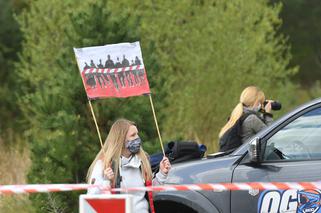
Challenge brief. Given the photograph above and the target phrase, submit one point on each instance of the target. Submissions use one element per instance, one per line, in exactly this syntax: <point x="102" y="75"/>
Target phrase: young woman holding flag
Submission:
<point x="123" y="163"/>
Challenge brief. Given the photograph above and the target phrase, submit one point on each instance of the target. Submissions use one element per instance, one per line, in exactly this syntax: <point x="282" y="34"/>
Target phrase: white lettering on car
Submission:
<point x="270" y="202"/>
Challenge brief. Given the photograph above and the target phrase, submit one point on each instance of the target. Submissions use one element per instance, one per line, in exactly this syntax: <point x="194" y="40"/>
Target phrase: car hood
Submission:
<point x="203" y="170"/>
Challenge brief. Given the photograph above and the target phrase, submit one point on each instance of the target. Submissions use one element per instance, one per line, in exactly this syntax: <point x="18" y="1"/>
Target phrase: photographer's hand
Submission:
<point x="268" y="107"/>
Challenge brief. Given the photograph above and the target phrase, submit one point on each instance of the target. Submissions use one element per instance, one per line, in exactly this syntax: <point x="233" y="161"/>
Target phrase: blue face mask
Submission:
<point x="134" y="145"/>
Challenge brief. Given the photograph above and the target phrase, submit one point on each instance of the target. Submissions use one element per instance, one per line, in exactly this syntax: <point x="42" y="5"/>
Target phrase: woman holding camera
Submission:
<point x="252" y="113"/>
<point x="123" y="163"/>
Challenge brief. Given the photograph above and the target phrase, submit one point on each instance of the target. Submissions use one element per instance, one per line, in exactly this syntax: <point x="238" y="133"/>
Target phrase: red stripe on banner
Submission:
<point x="131" y="68"/>
<point x="137" y="67"/>
<point x="115" y="70"/>
<point x="123" y="69"/>
<point x="84" y="71"/>
<point x="91" y="70"/>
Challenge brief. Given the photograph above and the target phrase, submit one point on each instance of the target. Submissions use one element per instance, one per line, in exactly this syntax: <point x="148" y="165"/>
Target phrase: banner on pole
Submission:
<point x="115" y="70"/>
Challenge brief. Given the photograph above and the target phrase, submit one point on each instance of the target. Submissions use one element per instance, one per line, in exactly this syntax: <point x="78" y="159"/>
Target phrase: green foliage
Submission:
<point x="16" y="203"/>
<point x="315" y="90"/>
<point x="210" y="51"/>
<point x="301" y="23"/>
<point x="10" y="42"/>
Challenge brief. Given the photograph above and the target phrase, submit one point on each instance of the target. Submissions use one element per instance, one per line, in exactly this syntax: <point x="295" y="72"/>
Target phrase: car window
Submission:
<point x="299" y="140"/>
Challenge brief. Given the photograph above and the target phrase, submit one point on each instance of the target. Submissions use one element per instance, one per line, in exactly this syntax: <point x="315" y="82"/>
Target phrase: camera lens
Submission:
<point x="276" y="105"/>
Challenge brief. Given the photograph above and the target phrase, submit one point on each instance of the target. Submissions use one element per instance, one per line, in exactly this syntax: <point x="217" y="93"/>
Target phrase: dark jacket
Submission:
<point x="254" y="123"/>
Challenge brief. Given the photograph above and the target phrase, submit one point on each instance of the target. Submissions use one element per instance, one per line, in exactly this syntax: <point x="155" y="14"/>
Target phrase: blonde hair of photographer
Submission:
<point x="113" y="147"/>
<point x="249" y="97"/>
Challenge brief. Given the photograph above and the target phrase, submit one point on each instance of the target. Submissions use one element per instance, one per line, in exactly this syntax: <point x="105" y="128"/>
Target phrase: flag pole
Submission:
<point x="90" y="106"/>
<point x="93" y="114"/>
<point x="159" y="135"/>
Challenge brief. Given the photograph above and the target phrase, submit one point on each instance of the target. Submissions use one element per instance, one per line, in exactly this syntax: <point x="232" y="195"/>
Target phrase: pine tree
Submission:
<point x="10" y="44"/>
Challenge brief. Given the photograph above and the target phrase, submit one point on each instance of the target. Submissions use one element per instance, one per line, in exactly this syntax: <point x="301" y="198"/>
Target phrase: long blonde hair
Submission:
<point x="248" y="97"/>
<point x="113" y="147"/>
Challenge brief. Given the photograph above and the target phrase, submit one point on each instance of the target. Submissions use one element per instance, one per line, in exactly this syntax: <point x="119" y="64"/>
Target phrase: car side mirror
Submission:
<point x="255" y="150"/>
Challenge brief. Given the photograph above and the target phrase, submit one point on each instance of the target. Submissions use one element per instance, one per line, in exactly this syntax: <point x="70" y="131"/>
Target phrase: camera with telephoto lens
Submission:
<point x="274" y="105"/>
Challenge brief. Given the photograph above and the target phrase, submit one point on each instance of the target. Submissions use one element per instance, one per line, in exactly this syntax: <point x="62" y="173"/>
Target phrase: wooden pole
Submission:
<point x="159" y="135"/>
<point x="91" y="108"/>
<point x="93" y="114"/>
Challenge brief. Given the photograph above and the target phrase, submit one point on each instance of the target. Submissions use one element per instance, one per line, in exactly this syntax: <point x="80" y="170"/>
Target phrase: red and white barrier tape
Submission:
<point x="41" y="188"/>
<point x="112" y="70"/>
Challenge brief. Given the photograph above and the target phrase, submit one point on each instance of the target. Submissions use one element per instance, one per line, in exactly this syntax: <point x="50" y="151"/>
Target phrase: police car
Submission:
<point x="288" y="150"/>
